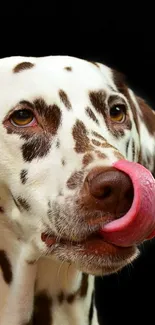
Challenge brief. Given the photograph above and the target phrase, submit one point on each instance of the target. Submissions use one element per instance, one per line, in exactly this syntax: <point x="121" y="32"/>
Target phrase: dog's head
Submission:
<point x="63" y="123"/>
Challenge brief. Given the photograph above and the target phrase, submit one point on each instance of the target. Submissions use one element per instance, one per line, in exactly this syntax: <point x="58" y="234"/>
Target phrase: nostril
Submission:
<point x="103" y="185"/>
<point x="99" y="188"/>
<point x="107" y="191"/>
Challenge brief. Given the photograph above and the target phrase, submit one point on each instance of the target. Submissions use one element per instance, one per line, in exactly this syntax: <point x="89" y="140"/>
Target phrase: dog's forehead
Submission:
<point x="29" y="78"/>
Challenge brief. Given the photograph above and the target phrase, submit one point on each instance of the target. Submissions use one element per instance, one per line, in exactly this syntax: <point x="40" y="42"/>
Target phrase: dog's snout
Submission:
<point x="112" y="190"/>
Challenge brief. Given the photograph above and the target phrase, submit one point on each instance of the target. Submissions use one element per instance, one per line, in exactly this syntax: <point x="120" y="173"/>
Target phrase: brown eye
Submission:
<point x="22" y="117"/>
<point x="118" y="113"/>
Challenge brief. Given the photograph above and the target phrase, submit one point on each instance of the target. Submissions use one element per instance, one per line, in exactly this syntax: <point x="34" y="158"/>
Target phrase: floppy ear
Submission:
<point x="144" y="118"/>
<point x="146" y="121"/>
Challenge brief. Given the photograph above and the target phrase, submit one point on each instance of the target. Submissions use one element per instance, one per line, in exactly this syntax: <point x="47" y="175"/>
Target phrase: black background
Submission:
<point x="121" y="36"/>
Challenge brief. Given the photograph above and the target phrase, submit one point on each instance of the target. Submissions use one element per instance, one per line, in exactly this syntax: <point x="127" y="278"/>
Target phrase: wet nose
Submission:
<point x="112" y="190"/>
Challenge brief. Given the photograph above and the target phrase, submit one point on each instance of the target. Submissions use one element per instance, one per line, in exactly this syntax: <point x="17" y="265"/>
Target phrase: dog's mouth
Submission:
<point x="92" y="255"/>
<point x="93" y="244"/>
<point x="95" y="239"/>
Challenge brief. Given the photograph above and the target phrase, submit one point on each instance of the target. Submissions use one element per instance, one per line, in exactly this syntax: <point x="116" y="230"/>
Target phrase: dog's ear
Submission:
<point x="146" y="121"/>
<point x="144" y="118"/>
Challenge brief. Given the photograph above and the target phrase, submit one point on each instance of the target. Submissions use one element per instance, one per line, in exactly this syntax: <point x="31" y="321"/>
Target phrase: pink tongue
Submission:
<point x="139" y="222"/>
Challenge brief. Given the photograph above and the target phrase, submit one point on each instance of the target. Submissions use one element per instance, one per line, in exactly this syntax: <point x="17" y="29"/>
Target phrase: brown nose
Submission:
<point x="113" y="191"/>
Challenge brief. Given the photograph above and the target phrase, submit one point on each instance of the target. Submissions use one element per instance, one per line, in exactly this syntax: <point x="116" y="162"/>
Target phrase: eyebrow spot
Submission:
<point x="97" y="99"/>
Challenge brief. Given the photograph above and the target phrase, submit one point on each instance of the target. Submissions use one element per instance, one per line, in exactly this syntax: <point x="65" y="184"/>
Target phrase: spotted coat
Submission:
<point x="60" y="117"/>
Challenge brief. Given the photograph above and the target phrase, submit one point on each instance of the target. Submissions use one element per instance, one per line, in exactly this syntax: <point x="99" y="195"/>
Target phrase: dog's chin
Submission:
<point x="92" y="255"/>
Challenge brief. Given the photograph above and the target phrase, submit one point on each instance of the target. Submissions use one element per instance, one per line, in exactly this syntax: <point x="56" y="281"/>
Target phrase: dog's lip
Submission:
<point x="51" y="239"/>
<point x="48" y="239"/>
<point x="93" y="244"/>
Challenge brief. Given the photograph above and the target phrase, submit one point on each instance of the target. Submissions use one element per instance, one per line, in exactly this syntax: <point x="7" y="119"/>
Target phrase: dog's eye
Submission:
<point x="118" y="113"/>
<point x="22" y="117"/>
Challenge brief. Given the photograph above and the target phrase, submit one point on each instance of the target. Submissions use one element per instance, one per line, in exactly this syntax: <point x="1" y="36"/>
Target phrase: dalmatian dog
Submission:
<point x="64" y="121"/>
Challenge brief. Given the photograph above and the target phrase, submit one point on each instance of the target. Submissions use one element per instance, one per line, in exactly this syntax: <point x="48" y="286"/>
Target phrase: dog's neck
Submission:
<point x="69" y="291"/>
<point x="47" y="292"/>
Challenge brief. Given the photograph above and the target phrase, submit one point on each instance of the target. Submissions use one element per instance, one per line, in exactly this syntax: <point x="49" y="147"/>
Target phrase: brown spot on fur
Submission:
<point x="71" y="298"/>
<point x="106" y="145"/>
<point x="42" y="310"/>
<point x="91" y="115"/>
<point x="61" y="297"/>
<point x="23" y="175"/>
<point x="96" y="143"/>
<point x="36" y="148"/>
<point x="82" y="142"/>
<point x="65" y="100"/>
<point x="100" y="154"/>
<point x="23" y="66"/>
<point x="23" y="203"/>
<point x="84" y="285"/>
<point x="133" y="150"/>
<point x="118" y="155"/>
<point x="75" y="180"/>
<point x="148" y="115"/>
<point x="68" y="68"/>
<point x="63" y="162"/>
<point x="97" y="135"/>
<point x="5" y="267"/>
<point x="97" y="99"/>
<point x="51" y="115"/>
<point x="58" y="144"/>
<point x="127" y="147"/>
<point x="87" y="159"/>
<point x="82" y="291"/>
<point x="95" y="63"/>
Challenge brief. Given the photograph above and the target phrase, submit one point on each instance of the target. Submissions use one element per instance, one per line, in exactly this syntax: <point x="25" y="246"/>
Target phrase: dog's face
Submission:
<point x="62" y="121"/>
